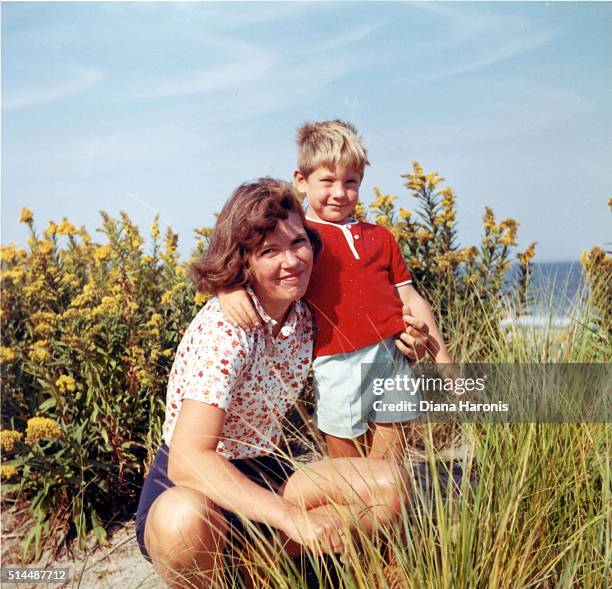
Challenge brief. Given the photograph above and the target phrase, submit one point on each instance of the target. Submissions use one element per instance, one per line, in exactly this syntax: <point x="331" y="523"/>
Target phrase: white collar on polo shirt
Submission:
<point x="344" y="227"/>
<point x="290" y="324"/>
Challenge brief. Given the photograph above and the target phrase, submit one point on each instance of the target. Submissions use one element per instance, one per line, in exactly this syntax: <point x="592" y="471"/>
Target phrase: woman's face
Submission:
<point x="280" y="266"/>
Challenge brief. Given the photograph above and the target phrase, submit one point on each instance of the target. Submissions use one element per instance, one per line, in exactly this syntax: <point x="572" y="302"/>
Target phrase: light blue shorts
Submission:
<point x="347" y="399"/>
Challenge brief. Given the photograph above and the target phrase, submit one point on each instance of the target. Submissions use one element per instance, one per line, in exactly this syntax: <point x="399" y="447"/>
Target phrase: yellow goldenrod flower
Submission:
<point x="71" y="280"/>
<point x="415" y="183"/>
<point x="45" y="247"/>
<point x="26" y="216"/>
<point x="16" y="275"/>
<point x="66" y="228"/>
<point x="488" y="221"/>
<point x="167" y="352"/>
<point x="41" y="428"/>
<point x="66" y="384"/>
<point x="508" y="239"/>
<point x="43" y="322"/>
<point x="593" y="258"/>
<point x="155" y="228"/>
<point x="469" y="253"/>
<point x="8" y="439"/>
<point x="201" y="298"/>
<point x="423" y="236"/>
<point x="70" y="314"/>
<point x="404" y="214"/>
<point x="416" y="265"/>
<point x="108" y="304"/>
<point x="448" y="198"/>
<point x="155" y="320"/>
<point x="51" y="230"/>
<point x="38" y="351"/>
<point x="360" y="212"/>
<point x="377" y="203"/>
<point x="585" y="258"/>
<point x="7" y="355"/>
<point x="382" y="220"/>
<point x="528" y="254"/>
<point x="85" y="235"/>
<point x="8" y="254"/>
<point x="103" y="253"/>
<point x="433" y="179"/>
<point x="7" y="471"/>
<point x="166" y="298"/>
<point x="170" y="242"/>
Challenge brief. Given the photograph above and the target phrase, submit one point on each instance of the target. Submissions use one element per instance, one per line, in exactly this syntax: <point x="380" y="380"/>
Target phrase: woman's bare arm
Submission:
<point x="195" y="463"/>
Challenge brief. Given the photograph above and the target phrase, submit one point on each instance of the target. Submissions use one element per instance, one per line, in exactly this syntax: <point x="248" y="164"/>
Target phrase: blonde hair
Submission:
<point x="329" y="143"/>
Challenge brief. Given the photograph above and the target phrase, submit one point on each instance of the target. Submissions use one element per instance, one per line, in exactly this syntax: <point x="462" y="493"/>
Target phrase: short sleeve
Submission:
<point x="214" y="357"/>
<point x="398" y="271"/>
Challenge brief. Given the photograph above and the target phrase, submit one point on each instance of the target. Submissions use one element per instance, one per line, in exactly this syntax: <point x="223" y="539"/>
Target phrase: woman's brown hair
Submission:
<point x="253" y="211"/>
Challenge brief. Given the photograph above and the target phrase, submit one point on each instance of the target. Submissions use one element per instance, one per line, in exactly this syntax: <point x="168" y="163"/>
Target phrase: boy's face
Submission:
<point x="332" y="194"/>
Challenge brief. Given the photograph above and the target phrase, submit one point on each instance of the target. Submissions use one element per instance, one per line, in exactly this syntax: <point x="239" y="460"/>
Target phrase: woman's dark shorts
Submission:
<point x="266" y="471"/>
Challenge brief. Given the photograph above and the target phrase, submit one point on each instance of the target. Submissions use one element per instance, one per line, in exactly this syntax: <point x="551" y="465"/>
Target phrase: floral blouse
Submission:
<point x="253" y="376"/>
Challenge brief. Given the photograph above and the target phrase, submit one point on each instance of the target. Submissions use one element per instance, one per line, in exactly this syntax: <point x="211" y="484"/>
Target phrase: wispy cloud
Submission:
<point x="501" y="38"/>
<point x="245" y="63"/>
<point x="505" y="51"/>
<point x="528" y="113"/>
<point x="39" y="91"/>
<point x="350" y="38"/>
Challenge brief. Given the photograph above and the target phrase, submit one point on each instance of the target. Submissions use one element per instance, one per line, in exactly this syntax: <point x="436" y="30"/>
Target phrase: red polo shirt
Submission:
<point x="352" y="291"/>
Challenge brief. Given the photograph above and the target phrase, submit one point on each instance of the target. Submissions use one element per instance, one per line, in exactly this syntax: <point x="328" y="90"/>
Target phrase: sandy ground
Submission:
<point x="118" y="565"/>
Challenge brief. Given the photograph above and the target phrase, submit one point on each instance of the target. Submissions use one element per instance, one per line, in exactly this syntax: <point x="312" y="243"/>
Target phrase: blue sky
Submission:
<point x="166" y="107"/>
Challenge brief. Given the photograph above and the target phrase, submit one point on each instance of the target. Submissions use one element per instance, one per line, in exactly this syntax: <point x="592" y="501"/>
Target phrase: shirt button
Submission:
<point x="356" y="236"/>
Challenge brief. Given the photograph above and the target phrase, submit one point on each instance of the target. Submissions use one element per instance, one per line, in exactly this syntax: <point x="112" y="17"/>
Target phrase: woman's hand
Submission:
<point x="317" y="531"/>
<point x="414" y="341"/>
<point x="238" y="309"/>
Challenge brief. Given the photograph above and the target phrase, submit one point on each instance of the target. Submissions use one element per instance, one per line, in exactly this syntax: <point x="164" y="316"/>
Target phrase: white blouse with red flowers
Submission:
<point x="254" y="376"/>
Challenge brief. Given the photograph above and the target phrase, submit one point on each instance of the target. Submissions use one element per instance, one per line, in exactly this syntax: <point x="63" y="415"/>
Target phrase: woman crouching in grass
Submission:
<point x="228" y="393"/>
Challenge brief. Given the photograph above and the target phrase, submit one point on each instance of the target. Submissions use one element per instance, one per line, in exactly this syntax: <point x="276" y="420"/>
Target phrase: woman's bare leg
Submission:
<point x="368" y="492"/>
<point x="185" y="535"/>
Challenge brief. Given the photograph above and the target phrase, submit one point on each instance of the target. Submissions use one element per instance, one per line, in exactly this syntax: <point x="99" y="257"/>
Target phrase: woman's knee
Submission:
<point x="182" y="523"/>
<point x="390" y="486"/>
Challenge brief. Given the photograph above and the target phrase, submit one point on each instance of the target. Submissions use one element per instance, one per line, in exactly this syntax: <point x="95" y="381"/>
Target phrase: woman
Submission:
<point x="228" y="393"/>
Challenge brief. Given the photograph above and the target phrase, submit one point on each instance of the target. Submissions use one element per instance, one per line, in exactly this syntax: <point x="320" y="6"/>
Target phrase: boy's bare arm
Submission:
<point x="421" y="309"/>
<point x="238" y="309"/>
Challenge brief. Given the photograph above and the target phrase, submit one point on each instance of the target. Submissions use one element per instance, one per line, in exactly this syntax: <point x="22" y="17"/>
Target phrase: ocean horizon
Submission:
<point x="555" y="287"/>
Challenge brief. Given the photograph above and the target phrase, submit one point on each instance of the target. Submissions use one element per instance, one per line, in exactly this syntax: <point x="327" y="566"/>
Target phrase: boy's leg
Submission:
<point x="347" y="447"/>
<point x="394" y="419"/>
<point x="389" y="441"/>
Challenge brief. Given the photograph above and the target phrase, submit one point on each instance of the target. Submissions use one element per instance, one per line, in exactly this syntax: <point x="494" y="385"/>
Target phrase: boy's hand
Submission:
<point x="413" y="341"/>
<point x="238" y="309"/>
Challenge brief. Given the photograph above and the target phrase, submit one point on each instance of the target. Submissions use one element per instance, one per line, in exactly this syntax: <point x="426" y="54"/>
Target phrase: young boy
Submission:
<point x="358" y="287"/>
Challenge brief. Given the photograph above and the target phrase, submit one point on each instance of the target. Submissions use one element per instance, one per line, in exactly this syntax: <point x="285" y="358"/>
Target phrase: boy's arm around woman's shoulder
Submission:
<point x="238" y="309"/>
